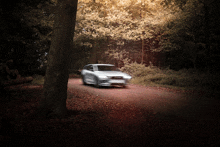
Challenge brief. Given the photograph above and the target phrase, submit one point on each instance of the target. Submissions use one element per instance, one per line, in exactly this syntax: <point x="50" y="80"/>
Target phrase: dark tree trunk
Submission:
<point x="56" y="79"/>
<point x="207" y="35"/>
<point x="93" y="58"/>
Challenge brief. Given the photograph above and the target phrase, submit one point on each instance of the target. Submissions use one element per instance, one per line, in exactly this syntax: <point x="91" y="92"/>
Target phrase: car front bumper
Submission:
<point x="112" y="82"/>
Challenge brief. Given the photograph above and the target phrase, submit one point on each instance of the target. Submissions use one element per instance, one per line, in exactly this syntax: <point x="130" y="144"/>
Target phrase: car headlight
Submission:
<point x="103" y="77"/>
<point x="127" y="77"/>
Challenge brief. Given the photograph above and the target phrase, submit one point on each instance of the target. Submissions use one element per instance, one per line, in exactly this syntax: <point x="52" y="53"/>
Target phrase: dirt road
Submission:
<point x="135" y="116"/>
<point x="147" y="116"/>
<point x="161" y="101"/>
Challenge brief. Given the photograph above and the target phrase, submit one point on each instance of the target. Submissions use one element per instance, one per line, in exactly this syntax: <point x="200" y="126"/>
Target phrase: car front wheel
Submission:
<point x="96" y="82"/>
<point x="124" y="86"/>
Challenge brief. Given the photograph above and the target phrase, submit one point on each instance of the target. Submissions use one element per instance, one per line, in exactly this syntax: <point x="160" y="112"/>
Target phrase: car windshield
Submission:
<point x="107" y="68"/>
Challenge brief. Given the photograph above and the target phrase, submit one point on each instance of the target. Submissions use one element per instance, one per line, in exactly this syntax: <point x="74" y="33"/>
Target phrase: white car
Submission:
<point x="103" y="75"/>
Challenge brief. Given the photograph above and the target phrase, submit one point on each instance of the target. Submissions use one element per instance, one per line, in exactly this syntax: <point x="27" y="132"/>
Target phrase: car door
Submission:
<point x="90" y="74"/>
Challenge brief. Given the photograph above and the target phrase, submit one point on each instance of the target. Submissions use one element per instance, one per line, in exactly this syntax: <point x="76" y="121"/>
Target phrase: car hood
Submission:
<point x="110" y="73"/>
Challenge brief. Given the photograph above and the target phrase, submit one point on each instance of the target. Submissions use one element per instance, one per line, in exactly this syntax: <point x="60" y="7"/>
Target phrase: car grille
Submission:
<point x="117" y="77"/>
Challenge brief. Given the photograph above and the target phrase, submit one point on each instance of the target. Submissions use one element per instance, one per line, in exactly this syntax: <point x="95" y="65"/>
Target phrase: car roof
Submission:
<point x="101" y="64"/>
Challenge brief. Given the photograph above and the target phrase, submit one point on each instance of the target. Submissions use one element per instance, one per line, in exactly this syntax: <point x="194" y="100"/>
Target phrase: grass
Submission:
<point x="185" y="79"/>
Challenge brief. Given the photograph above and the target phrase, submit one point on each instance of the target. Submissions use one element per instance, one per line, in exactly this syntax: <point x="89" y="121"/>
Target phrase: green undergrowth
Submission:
<point x="38" y="80"/>
<point x="185" y="79"/>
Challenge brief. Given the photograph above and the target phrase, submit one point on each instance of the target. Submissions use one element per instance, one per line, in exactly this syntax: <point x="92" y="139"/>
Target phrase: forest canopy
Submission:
<point x="166" y="33"/>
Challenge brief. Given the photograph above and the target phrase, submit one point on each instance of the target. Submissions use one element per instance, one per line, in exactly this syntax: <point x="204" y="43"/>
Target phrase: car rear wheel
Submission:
<point x="84" y="81"/>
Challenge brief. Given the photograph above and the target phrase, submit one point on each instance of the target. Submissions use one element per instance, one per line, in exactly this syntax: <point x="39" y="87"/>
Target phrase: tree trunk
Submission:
<point x="56" y="79"/>
<point x="93" y="58"/>
<point x="207" y="35"/>
<point x="142" y="54"/>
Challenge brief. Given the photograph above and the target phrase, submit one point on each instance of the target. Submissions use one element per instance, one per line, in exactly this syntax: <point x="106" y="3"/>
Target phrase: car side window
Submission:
<point x="85" y="67"/>
<point x="90" y="68"/>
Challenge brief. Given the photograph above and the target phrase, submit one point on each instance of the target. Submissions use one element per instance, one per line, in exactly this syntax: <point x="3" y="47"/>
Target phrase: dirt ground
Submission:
<point x="133" y="116"/>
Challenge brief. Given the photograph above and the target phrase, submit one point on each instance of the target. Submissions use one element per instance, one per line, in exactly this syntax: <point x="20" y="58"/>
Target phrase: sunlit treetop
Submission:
<point x="124" y="19"/>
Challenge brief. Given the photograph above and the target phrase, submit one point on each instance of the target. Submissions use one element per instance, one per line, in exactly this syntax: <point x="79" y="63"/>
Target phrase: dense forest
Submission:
<point x="164" y="33"/>
<point x="57" y="37"/>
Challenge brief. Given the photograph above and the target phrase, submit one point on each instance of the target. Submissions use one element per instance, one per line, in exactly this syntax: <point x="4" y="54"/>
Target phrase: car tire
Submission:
<point x="83" y="79"/>
<point x="124" y="86"/>
<point x="96" y="82"/>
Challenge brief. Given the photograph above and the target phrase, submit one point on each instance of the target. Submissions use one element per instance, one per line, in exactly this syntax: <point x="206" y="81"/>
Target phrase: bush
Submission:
<point x="137" y="70"/>
<point x="185" y="78"/>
